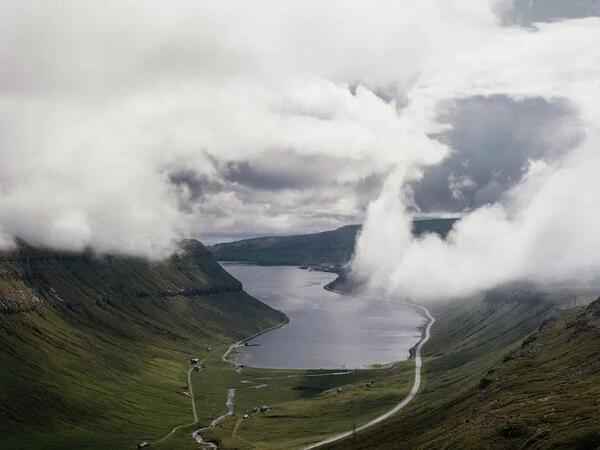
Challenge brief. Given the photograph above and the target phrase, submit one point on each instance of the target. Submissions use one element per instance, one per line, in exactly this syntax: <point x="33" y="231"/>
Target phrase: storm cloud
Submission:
<point x="284" y="170"/>
<point x="493" y="141"/>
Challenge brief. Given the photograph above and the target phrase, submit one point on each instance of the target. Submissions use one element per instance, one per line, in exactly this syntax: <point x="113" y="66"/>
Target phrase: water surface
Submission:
<point x="326" y="330"/>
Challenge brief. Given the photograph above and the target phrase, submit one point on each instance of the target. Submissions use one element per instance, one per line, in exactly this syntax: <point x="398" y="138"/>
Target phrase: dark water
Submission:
<point x="326" y="330"/>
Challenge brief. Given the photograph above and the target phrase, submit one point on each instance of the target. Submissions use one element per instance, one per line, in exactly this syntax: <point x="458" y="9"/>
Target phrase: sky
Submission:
<point x="126" y="126"/>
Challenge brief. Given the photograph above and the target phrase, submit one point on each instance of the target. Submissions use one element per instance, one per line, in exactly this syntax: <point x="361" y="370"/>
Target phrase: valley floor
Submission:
<point x="303" y="405"/>
<point x="475" y="358"/>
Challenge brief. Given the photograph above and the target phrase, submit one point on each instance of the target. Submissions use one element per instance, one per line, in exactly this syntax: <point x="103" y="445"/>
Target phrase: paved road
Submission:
<point x="413" y="392"/>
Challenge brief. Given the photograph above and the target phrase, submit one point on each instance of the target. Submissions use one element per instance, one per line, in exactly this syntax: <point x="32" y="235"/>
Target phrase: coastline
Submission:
<point x="240" y="343"/>
<point x="411" y="395"/>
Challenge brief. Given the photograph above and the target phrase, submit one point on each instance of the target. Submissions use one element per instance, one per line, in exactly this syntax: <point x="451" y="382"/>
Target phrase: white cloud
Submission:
<point x="97" y="101"/>
<point x="544" y="230"/>
<point x="101" y="102"/>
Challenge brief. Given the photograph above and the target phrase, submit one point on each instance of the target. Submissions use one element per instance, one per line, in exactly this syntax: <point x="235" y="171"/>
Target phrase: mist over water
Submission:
<point x="326" y="330"/>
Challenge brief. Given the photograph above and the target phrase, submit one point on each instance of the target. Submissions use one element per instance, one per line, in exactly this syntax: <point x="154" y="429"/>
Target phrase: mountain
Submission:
<point x="330" y="247"/>
<point x="512" y="370"/>
<point x="94" y="349"/>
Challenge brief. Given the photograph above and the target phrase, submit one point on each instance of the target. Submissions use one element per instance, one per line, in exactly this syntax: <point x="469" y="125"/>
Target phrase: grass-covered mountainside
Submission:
<point x="330" y="247"/>
<point x="508" y="371"/>
<point x="94" y="349"/>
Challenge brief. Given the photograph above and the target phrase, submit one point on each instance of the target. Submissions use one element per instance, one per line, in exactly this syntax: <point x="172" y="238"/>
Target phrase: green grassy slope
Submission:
<point x="541" y="395"/>
<point x="305" y="404"/>
<point x="94" y="350"/>
<point x="329" y="247"/>
<point x="470" y="340"/>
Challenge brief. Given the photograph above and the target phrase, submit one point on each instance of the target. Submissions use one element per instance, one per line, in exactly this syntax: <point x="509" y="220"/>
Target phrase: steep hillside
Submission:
<point x="542" y="395"/>
<point x="490" y="383"/>
<point x="94" y="350"/>
<point x="330" y="247"/>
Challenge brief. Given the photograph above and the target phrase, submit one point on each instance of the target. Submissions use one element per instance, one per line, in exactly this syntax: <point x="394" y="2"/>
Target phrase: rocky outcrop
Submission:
<point x="16" y="296"/>
<point x="32" y="277"/>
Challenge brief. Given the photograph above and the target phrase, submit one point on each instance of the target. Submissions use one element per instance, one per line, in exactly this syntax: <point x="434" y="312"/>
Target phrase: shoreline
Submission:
<point x="239" y="344"/>
<point x="411" y="395"/>
<point x="414" y="354"/>
<point x="330" y="287"/>
<point x="229" y="403"/>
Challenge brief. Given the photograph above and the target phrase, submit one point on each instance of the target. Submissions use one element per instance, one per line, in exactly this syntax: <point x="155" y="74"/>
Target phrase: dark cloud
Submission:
<point x="273" y="192"/>
<point x="492" y="140"/>
<point x="192" y="187"/>
<point x="526" y="12"/>
<point x="257" y="176"/>
<point x="282" y="170"/>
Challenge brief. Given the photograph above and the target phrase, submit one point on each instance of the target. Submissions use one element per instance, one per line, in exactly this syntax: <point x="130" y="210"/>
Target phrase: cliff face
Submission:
<point x="15" y="295"/>
<point x="94" y="349"/>
<point x="31" y="278"/>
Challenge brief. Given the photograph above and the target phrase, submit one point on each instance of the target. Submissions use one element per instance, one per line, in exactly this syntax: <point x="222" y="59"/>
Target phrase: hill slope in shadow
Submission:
<point x="94" y="349"/>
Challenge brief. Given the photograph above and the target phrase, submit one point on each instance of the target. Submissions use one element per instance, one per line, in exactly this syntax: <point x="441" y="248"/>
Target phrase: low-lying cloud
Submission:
<point x="539" y="224"/>
<point x="126" y="126"/>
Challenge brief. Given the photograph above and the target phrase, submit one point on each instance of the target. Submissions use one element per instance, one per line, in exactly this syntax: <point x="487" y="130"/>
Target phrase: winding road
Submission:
<point x="411" y="395"/>
<point x="197" y="435"/>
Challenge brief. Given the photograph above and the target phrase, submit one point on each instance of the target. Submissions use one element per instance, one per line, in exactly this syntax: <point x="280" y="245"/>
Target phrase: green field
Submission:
<point x="469" y="338"/>
<point x="305" y="405"/>
<point x="507" y="370"/>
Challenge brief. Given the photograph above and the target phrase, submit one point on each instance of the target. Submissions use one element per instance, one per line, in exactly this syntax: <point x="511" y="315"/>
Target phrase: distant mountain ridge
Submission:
<point x="333" y="247"/>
